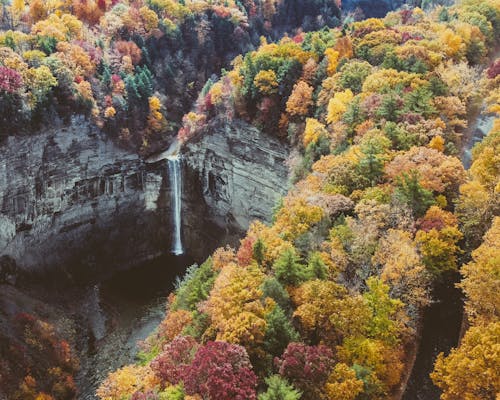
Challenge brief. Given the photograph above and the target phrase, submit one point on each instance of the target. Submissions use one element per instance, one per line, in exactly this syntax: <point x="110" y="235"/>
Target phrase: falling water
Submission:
<point x="175" y="176"/>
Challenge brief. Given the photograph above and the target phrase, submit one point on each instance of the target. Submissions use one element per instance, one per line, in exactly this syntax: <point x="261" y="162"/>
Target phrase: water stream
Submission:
<point x="441" y="328"/>
<point x="477" y="133"/>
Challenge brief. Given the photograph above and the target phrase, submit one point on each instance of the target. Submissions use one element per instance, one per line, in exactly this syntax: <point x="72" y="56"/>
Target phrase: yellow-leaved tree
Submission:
<point x="313" y="130"/>
<point x="235" y="308"/>
<point x="481" y="282"/>
<point x="266" y="82"/>
<point x="337" y="106"/>
<point x="343" y="384"/>
<point x="126" y="381"/>
<point x="473" y="370"/>
<point x="300" y="100"/>
<point x="333" y="60"/>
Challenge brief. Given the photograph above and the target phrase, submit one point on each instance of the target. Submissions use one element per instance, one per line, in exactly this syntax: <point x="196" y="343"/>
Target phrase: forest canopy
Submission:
<point x="325" y="302"/>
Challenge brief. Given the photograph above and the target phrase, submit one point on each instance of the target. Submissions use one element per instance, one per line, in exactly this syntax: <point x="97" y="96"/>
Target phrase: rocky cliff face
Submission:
<point x="72" y="200"/>
<point x="242" y="172"/>
<point x="71" y="197"/>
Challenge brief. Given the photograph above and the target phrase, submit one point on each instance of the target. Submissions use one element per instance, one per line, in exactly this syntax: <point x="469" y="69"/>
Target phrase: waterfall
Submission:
<point x="175" y="176"/>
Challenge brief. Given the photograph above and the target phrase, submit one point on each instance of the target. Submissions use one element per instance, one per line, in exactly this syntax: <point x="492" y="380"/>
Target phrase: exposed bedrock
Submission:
<point x="72" y="200"/>
<point x="242" y="172"/>
<point x="69" y="197"/>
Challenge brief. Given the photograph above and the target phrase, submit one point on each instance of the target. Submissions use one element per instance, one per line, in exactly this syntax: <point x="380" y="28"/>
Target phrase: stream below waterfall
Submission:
<point x="112" y="314"/>
<point x="124" y="309"/>
<point x="441" y="329"/>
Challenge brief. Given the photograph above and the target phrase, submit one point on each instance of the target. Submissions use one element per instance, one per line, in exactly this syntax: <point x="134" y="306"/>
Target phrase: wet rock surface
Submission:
<point x="73" y="201"/>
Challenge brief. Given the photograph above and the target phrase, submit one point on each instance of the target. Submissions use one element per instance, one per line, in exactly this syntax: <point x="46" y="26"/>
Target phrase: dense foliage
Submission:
<point x="326" y="301"/>
<point x="471" y="370"/>
<point x="132" y="67"/>
<point x="45" y="361"/>
<point x="117" y="61"/>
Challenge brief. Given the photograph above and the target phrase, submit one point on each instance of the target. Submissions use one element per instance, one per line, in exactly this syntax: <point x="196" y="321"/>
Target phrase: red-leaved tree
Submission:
<point x="307" y="367"/>
<point x="176" y="356"/>
<point x="494" y="70"/>
<point x="10" y="80"/>
<point x="221" y="371"/>
<point x="148" y="395"/>
<point x="245" y="252"/>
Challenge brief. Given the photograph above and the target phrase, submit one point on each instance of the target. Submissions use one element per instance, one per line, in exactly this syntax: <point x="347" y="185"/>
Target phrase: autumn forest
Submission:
<point x="391" y="128"/>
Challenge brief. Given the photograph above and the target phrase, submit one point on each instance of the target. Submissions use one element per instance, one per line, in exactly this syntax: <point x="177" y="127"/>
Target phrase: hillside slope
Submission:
<point x="326" y="301"/>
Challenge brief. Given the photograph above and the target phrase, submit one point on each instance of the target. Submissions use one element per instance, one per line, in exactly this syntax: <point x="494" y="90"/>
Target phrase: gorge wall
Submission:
<point x="71" y="197"/>
<point x="72" y="200"/>
<point x="242" y="172"/>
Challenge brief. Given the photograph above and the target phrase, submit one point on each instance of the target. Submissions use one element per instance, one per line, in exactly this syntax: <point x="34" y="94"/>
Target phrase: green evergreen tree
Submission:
<point x="419" y="102"/>
<point x="354" y="115"/>
<point x="392" y="61"/>
<point x="401" y="139"/>
<point x="106" y="74"/>
<point x="194" y="287"/>
<point x="47" y="44"/>
<point x="133" y="94"/>
<point x="279" y="389"/>
<point x="288" y="269"/>
<point x="279" y="332"/>
<point x="316" y="268"/>
<point x="273" y="289"/>
<point x="437" y="86"/>
<point x="144" y="82"/>
<point x="410" y="192"/>
<point x="390" y="109"/>
<point x="258" y="251"/>
<point x="353" y="74"/>
<point x="371" y="166"/>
